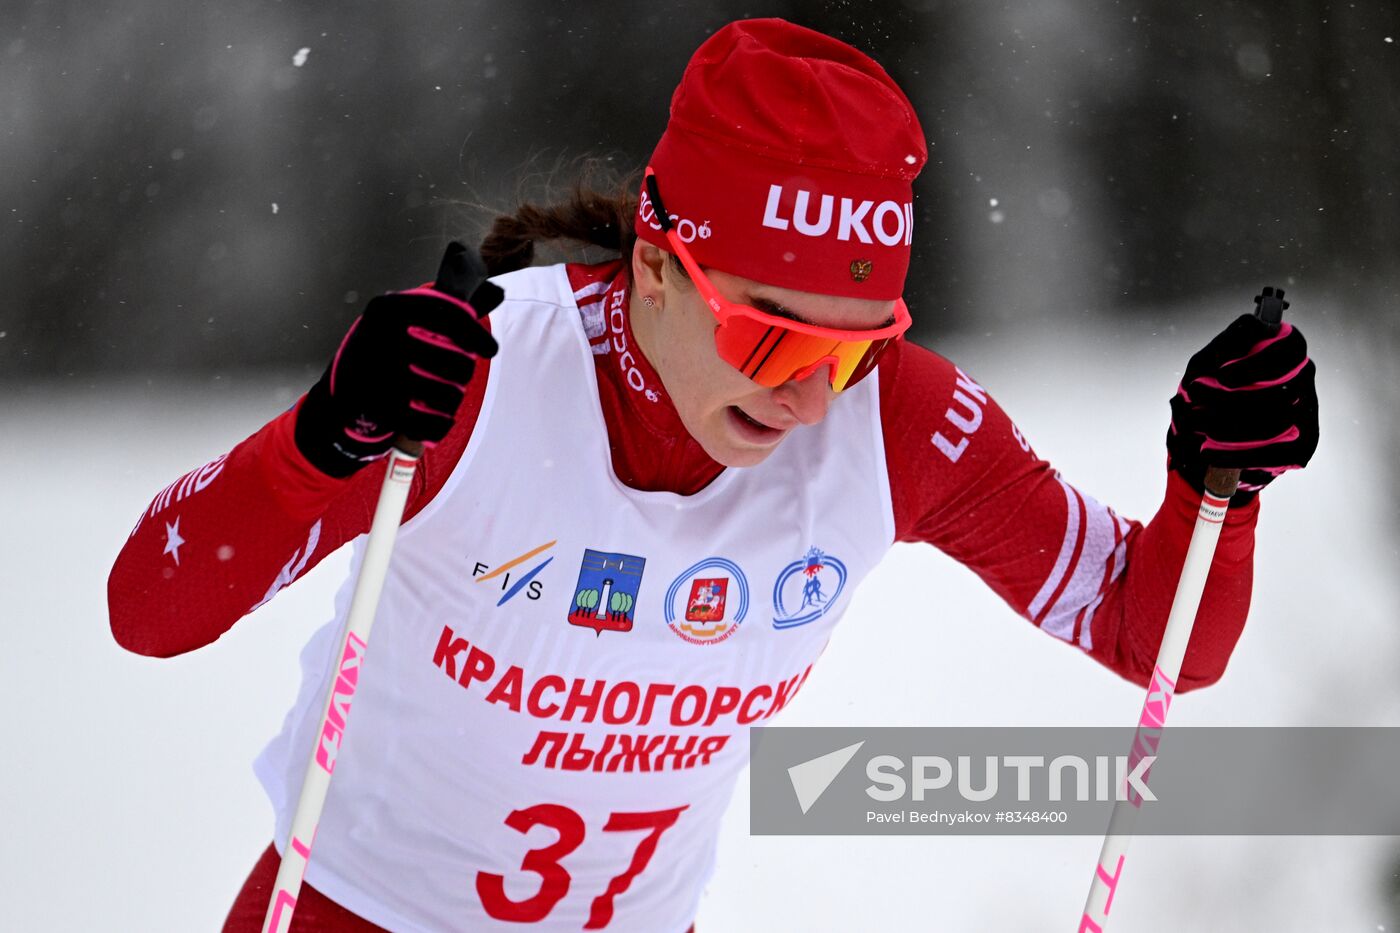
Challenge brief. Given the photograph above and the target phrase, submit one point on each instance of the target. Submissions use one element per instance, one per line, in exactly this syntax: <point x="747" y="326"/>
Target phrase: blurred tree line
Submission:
<point x="199" y="188"/>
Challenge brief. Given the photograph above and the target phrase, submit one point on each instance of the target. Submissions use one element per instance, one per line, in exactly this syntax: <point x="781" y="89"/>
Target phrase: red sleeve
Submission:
<point x="226" y="537"/>
<point x="965" y="480"/>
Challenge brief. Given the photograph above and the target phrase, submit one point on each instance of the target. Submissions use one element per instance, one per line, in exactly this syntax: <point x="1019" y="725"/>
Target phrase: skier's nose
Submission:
<point x="807" y="399"/>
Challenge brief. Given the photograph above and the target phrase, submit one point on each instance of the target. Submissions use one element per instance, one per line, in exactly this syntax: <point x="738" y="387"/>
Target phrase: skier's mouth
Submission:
<point x="752" y="430"/>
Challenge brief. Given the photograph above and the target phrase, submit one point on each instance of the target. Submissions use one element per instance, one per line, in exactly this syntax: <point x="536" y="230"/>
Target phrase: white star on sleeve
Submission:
<point x="173" y="540"/>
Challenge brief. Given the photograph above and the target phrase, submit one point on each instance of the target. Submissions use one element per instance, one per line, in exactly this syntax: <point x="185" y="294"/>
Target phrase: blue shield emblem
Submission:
<point x="606" y="594"/>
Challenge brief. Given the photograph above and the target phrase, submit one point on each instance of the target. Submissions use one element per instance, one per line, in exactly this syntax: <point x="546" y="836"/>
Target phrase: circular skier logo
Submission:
<point x="806" y="589"/>
<point x="706" y="603"/>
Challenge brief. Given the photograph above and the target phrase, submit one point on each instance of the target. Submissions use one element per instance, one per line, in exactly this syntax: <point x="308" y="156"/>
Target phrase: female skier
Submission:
<point x="639" y="521"/>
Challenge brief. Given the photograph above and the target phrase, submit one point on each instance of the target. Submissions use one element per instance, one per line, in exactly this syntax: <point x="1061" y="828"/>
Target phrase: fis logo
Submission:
<point x="806" y="589"/>
<point x="708" y="601"/>
<point x="606" y="594"/>
<point x="533" y="588"/>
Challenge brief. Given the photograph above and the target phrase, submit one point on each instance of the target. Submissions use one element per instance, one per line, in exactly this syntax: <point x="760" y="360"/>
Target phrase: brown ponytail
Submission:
<point x="598" y="211"/>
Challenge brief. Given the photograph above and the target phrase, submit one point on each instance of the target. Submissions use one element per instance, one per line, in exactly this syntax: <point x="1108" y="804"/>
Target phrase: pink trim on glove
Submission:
<point x="419" y="371"/>
<point x="1214" y="383"/>
<point x="419" y="406"/>
<point x="1273" y="472"/>
<point x="1291" y="434"/>
<point x="434" y="293"/>
<point x="367" y="438"/>
<point x="1284" y="330"/>
<point x="433" y="338"/>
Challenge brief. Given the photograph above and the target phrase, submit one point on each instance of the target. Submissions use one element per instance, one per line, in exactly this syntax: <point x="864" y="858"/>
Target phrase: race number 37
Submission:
<point x="554" y="878"/>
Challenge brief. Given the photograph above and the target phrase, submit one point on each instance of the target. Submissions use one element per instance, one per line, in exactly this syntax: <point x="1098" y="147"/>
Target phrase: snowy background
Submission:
<point x="129" y="802"/>
<point x="1110" y="183"/>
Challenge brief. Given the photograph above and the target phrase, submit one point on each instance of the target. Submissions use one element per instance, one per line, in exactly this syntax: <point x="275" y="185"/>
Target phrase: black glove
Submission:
<point x="1247" y="401"/>
<point x="402" y="368"/>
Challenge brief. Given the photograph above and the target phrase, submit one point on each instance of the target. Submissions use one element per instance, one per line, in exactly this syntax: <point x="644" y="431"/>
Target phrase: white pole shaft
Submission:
<point x="1200" y="554"/>
<point x="393" y="496"/>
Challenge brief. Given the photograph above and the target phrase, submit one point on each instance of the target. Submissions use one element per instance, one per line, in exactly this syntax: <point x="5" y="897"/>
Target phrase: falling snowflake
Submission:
<point x="299" y="58"/>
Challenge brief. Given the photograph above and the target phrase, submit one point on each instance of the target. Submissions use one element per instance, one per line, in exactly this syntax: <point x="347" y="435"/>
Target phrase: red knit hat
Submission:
<point x="789" y="159"/>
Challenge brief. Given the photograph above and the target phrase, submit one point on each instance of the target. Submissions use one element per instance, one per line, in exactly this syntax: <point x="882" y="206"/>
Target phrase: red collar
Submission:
<point x="651" y="448"/>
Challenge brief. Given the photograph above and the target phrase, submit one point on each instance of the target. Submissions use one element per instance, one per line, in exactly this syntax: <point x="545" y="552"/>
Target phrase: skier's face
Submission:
<point x="737" y="421"/>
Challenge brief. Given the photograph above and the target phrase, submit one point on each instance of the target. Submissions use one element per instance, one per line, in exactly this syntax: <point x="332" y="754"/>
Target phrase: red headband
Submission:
<point x="789" y="159"/>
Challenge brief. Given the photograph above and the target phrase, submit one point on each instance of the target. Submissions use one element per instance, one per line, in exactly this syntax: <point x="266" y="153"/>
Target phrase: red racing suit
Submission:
<point x="961" y="477"/>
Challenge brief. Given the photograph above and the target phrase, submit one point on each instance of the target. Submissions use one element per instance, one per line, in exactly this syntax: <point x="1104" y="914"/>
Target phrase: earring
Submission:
<point x="649" y="301"/>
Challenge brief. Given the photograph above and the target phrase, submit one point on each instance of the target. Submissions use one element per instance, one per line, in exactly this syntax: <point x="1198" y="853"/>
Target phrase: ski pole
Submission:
<point x="460" y="275"/>
<point x="1220" y="485"/>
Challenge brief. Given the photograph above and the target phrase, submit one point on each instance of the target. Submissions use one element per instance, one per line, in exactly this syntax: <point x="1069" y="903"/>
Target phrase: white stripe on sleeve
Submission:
<point x="1090" y="576"/>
